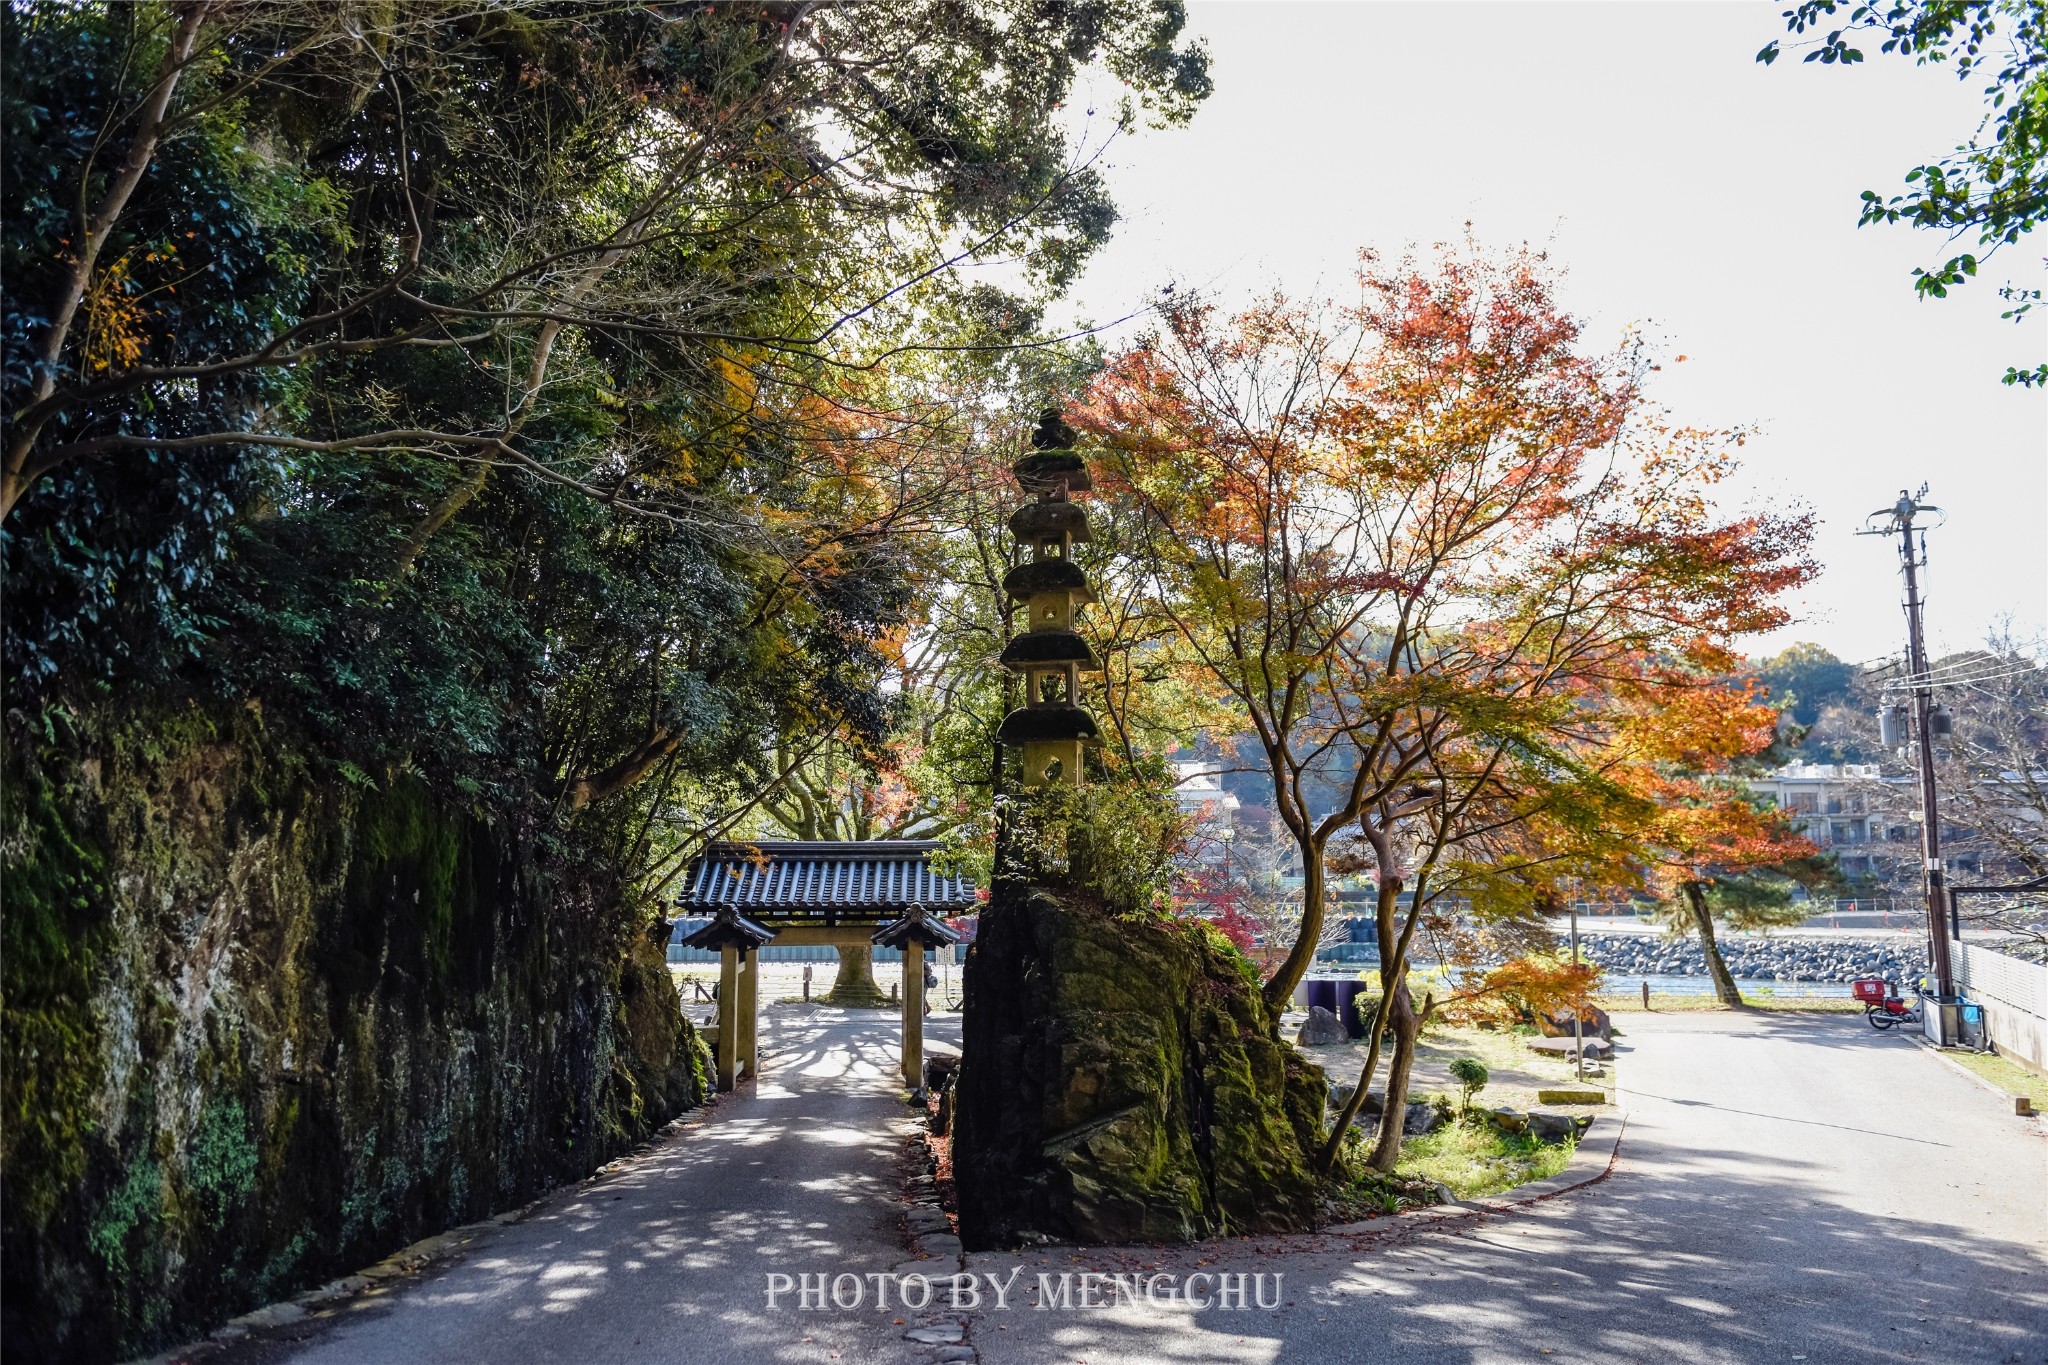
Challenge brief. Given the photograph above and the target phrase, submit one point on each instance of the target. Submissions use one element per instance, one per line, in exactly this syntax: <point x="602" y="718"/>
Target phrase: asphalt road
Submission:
<point x="1789" y="1188"/>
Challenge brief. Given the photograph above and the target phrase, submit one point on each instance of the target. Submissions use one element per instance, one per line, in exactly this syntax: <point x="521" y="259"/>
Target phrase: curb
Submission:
<point x="406" y="1261"/>
<point x="2038" y="1121"/>
<point x="938" y="1254"/>
<point x="371" y="1279"/>
<point x="932" y="1240"/>
<point x="1593" y="1162"/>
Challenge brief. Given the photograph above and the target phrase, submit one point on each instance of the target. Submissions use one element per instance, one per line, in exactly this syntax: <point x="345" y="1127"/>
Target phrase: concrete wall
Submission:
<point x="2014" y="995"/>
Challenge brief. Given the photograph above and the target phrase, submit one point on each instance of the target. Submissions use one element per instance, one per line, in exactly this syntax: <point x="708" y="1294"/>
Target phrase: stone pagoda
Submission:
<point x="1050" y="729"/>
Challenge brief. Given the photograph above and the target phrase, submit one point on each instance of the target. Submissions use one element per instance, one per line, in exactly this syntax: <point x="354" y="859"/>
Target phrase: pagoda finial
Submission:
<point x="1053" y="432"/>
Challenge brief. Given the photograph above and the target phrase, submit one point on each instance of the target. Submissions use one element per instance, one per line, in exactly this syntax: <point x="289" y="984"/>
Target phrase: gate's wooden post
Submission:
<point x="750" y="1012"/>
<point x="728" y="1013"/>
<point x="913" y="1015"/>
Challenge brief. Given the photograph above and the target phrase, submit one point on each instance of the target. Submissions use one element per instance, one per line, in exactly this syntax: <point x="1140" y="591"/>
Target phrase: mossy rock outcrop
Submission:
<point x="264" y="1025"/>
<point x="1122" y="1081"/>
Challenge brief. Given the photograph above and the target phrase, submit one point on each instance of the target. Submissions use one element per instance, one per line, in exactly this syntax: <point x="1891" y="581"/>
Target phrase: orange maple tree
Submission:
<point x="1701" y="828"/>
<point x="1435" y="552"/>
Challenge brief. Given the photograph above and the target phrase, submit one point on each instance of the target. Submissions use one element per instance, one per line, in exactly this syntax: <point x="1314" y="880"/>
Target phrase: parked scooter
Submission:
<point x="1883" y="1006"/>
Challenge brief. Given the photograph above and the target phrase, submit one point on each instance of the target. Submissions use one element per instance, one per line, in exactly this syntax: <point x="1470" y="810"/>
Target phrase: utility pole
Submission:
<point x="1899" y="519"/>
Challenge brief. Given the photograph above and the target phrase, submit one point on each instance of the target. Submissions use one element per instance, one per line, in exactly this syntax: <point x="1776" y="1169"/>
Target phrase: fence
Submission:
<point x="2014" y="996"/>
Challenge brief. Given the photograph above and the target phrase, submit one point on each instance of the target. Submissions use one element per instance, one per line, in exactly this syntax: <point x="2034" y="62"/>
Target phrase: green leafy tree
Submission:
<point x="365" y="422"/>
<point x="1803" y="678"/>
<point x="546" y="401"/>
<point x="1470" y="1074"/>
<point x="716" y="191"/>
<point x="1992" y="188"/>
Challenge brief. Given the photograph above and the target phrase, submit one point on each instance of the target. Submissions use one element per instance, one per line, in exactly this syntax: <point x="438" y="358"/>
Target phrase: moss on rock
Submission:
<point x="1122" y="1081"/>
<point x="261" y="1026"/>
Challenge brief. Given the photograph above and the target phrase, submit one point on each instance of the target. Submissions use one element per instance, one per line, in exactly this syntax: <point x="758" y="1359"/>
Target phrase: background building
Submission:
<point x="1833" y="803"/>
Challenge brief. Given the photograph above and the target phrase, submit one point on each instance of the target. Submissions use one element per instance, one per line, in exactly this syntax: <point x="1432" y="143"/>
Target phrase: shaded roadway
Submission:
<point x="1790" y="1188"/>
<point x="666" y="1259"/>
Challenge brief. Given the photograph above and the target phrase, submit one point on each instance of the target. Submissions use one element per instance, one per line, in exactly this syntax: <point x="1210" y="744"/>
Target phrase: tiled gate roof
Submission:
<point x="790" y="882"/>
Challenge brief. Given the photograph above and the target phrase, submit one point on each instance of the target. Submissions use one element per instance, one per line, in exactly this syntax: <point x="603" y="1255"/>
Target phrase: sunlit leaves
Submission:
<point x="1994" y="186"/>
<point x="1436" y="549"/>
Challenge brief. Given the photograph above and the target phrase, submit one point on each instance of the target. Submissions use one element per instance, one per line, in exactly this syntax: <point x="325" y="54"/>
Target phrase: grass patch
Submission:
<point x="1764" y="998"/>
<point x="1371" y="1195"/>
<point x="1516" y="1072"/>
<point x="2003" y="1072"/>
<point x="1477" y="1158"/>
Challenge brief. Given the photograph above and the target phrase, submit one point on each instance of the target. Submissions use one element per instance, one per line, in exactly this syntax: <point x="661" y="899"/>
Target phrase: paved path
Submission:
<point x="666" y="1260"/>
<point x="1785" y="1191"/>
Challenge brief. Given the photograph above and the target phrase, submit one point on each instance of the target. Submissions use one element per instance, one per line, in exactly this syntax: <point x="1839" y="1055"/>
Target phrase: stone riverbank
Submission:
<point x="1760" y="959"/>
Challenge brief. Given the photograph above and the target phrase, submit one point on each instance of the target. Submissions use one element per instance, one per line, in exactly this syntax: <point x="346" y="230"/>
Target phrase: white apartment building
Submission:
<point x="1831" y="801"/>
<point x="1198" y="789"/>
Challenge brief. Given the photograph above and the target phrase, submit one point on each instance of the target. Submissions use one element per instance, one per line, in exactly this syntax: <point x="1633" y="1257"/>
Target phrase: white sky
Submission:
<point x="1680" y="185"/>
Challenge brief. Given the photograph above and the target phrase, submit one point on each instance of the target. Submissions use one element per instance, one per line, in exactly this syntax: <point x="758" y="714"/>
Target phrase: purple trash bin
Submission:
<point x="1347" y="998"/>
<point x="1323" y="993"/>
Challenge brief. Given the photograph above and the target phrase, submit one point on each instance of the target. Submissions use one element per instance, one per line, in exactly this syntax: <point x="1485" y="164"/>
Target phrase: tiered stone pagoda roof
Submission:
<point x="1051" y="727"/>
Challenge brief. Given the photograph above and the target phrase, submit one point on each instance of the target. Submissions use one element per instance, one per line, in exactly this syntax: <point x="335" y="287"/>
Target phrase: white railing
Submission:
<point x="2014" y="995"/>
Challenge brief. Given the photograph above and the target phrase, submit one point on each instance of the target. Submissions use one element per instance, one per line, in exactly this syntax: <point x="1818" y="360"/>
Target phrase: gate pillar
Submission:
<point x="915" y="932"/>
<point x="738" y="941"/>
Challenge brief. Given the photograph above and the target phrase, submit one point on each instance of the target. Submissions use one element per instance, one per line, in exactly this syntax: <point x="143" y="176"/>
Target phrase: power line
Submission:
<point x="1972" y="667"/>
<point x="1935" y="679"/>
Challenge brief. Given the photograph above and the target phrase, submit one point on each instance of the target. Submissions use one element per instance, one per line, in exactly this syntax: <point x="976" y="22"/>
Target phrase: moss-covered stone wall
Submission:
<point x="263" y="1026"/>
<point x="1120" y="1081"/>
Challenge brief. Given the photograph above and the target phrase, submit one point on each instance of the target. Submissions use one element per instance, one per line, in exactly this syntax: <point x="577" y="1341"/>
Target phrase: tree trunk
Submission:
<point x="1407" y="1026"/>
<point x="457" y="498"/>
<point x="589" y="787"/>
<point x="855" y="984"/>
<point x="1279" y="990"/>
<point x="1386" y="903"/>
<point x="1326" y="1159"/>
<point x="1703" y="920"/>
